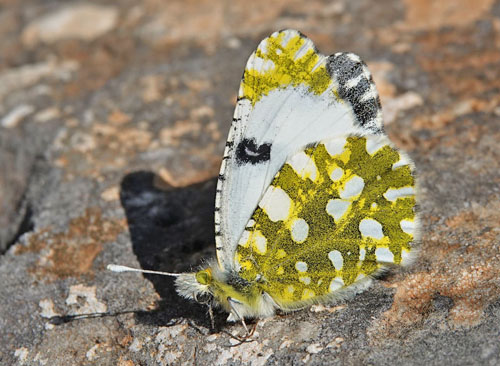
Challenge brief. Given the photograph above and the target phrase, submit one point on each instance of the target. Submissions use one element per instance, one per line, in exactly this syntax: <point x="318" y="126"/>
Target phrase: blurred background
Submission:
<point x="113" y="119"/>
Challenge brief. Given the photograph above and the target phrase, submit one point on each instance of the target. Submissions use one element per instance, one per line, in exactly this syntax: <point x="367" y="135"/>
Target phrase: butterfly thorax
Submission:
<point x="239" y="297"/>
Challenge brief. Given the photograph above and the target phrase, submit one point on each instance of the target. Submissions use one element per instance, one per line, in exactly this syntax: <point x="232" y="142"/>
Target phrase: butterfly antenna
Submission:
<point x="118" y="268"/>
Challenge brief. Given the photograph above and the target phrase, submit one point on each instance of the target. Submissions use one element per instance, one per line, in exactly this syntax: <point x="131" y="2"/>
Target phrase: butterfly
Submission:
<point x="313" y="200"/>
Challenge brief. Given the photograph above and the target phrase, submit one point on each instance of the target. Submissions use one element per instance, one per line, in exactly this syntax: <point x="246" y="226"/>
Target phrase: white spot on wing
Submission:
<point x="244" y="238"/>
<point x="336" y="257"/>
<point x="360" y="277"/>
<point x="401" y="162"/>
<point x="301" y="266"/>
<point x="373" y="145"/>
<point x="217" y="200"/>
<point x="263" y="46"/>
<point x="335" y="147"/>
<point x="369" y="94"/>
<point x="288" y="36"/>
<point x="336" y="174"/>
<point x="300" y="230"/>
<point x="362" y="254"/>
<point x="406" y="257"/>
<point x="353" y="82"/>
<point x="353" y="187"/>
<point x="303" y="165"/>
<point x="302" y="50"/>
<point x="384" y="255"/>
<point x="337" y="208"/>
<point x="354" y="57"/>
<point x="318" y="64"/>
<point x="305" y="280"/>
<point x="336" y="284"/>
<point x="259" y="243"/>
<point x="394" y="193"/>
<point x="261" y="64"/>
<point x="371" y="228"/>
<point x="407" y="226"/>
<point x="276" y="204"/>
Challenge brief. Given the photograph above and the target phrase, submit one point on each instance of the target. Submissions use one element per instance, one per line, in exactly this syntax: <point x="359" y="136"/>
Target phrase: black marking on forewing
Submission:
<point x="248" y="151"/>
<point x="344" y="69"/>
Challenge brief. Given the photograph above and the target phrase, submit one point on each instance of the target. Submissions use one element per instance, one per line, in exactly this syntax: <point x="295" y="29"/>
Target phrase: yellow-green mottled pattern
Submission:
<point x="269" y="254"/>
<point x="286" y="70"/>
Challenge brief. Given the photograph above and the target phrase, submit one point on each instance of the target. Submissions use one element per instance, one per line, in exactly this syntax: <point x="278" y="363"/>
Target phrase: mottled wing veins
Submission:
<point x="286" y="58"/>
<point x="357" y="87"/>
<point x="300" y="240"/>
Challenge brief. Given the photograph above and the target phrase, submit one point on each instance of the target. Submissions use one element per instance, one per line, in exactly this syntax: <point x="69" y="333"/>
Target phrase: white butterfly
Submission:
<point x="306" y="135"/>
<point x="282" y="122"/>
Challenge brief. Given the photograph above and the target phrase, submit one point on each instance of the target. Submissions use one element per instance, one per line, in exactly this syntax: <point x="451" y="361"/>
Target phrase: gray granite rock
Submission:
<point x="109" y="149"/>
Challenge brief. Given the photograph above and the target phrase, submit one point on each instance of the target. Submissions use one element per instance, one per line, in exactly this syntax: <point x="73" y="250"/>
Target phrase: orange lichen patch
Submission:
<point x="191" y="176"/>
<point x="110" y="54"/>
<point x="173" y="136"/>
<point x="448" y="115"/>
<point x="72" y="253"/>
<point x="153" y="88"/>
<point x="430" y="14"/>
<point x="454" y="125"/>
<point x="467" y="273"/>
<point x="123" y="362"/>
<point x="198" y="85"/>
<point x="105" y="147"/>
<point x="460" y="72"/>
<point x="118" y="117"/>
<point x="111" y="194"/>
<point x="464" y="74"/>
<point x="483" y="59"/>
<point x="208" y="20"/>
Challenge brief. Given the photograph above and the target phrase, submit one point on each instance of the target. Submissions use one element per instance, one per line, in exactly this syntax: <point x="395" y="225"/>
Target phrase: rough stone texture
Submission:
<point x="110" y="139"/>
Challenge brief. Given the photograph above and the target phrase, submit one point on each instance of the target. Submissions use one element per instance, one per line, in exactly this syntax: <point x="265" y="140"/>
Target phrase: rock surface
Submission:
<point x="111" y="136"/>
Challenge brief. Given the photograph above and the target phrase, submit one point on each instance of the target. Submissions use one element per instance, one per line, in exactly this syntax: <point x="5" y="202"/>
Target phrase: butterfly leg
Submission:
<point x="235" y="315"/>
<point x="211" y="313"/>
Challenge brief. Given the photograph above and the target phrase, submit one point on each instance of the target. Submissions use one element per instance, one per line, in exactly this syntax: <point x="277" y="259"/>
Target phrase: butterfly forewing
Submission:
<point x="335" y="214"/>
<point x="290" y="96"/>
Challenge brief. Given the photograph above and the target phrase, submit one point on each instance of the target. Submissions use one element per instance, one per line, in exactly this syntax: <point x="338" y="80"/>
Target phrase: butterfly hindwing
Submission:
<point x="290" y="96"/>
<point x="335" y="214"/>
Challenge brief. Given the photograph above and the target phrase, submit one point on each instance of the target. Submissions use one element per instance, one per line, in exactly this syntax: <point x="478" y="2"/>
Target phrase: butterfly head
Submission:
<point x="240" y="298"/>
<point x="195" y="285"/>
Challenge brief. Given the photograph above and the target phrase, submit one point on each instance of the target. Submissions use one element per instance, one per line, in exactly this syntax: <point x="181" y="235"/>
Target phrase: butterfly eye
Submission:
<point x="203" y="277"/>
<point x="248" y="151"/>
